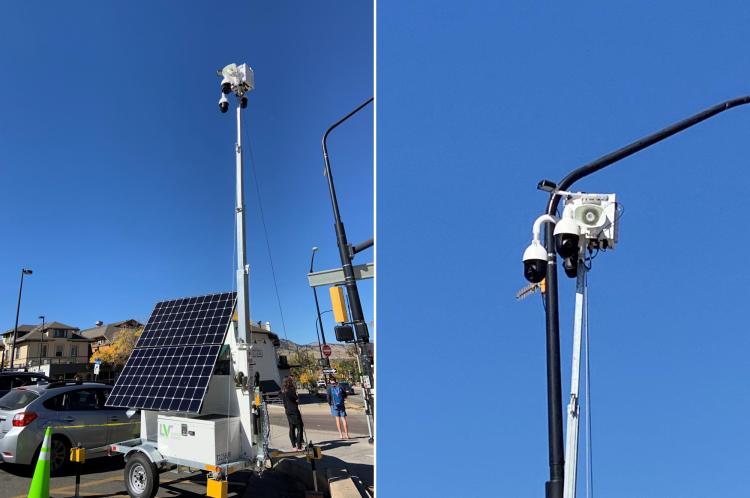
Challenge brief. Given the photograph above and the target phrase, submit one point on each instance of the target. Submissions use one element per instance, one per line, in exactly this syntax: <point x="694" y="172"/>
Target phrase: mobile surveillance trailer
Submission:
<point x="193" y="371"/>
<point x="198" y="388"/>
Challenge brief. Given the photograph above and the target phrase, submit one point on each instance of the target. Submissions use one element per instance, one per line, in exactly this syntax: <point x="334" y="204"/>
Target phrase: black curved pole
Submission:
<point x="362" y="335"/>
<point x="554" y="487"/>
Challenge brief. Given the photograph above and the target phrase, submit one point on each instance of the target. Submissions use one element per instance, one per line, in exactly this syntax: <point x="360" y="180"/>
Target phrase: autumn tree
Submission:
<point x="307" y="370"/>
<point x="118" y="352"/>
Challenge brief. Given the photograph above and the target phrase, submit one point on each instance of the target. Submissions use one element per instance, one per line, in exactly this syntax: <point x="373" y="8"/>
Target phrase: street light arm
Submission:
<point x="639" y="145"/>
<point x="334" y="125"/>
<point x="554" y="487"/>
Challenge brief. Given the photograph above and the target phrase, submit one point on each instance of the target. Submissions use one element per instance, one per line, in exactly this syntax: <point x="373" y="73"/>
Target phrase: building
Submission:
<point x="265" y="358"/>
<point x="38" y="348"/>
<point x="103" y="334"/>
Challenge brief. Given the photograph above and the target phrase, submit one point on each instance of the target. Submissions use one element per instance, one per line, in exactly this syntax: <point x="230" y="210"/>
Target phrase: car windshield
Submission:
<point x="17" y="399"/>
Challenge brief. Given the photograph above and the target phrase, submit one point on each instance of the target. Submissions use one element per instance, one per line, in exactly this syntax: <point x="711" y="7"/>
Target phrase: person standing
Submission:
<point x="293" y="415"/>
<point x="336" y="397"/>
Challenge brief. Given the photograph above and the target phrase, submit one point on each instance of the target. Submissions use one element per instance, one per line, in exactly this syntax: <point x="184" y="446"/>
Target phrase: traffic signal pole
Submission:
<point x="346" y="253"/>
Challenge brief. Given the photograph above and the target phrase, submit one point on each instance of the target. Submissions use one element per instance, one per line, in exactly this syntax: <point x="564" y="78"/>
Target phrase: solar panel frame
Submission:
<point x="174" y="358"/>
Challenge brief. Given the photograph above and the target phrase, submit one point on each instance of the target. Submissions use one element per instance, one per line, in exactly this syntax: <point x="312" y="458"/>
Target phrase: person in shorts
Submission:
<point x="336" y="396"/>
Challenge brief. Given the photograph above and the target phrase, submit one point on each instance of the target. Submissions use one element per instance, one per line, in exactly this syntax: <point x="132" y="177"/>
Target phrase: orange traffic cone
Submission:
<point x="40" y="482"/>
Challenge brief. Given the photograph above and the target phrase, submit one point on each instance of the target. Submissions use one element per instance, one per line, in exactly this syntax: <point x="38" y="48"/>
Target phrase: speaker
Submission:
<point x="589" y="214"/>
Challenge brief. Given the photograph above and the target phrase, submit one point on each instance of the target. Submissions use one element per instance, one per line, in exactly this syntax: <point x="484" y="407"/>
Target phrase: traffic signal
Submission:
<point x="362" y="333"/>
<point x="338" y="304"/>
<point x="344" y="333"/>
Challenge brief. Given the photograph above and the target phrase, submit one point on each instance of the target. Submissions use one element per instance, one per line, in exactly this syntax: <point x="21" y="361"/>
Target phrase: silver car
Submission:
<point x="76" y="413"/>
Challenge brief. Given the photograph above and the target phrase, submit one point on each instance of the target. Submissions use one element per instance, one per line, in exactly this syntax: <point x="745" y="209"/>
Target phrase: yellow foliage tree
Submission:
<point x="119" y="351"/>
<point x="306" y="378"/>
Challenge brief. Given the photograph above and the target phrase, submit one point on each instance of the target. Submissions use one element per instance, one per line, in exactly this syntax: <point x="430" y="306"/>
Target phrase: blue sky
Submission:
<point x="118" y="169"/>
<point x="478" y="101"/>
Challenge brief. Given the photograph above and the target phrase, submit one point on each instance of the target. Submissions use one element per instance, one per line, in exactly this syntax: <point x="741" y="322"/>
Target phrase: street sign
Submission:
<point x="329" y="371"/>
<point x="96" y="368"/>
<point x="97" y="361"/>
<point x="326" y="350"/>
<point x="336" y="275"/>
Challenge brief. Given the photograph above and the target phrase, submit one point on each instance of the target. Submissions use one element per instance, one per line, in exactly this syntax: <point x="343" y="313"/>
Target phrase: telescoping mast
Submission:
<point x="192" y="373"/>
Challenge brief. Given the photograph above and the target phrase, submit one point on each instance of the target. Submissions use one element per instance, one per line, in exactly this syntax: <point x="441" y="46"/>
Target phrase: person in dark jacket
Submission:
<point x="336" y="397"/>
<point x="293" y="415"/>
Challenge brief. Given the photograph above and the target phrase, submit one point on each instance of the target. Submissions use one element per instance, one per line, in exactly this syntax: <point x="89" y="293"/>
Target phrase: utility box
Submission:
<point x="208" y="439"/>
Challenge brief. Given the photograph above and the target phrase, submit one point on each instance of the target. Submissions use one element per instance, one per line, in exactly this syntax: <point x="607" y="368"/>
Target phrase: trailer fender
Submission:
<point x="151" y="452"/>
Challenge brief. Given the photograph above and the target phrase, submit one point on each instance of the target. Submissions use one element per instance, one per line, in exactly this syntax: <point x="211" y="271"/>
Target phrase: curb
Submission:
<point x="335" y="483"/>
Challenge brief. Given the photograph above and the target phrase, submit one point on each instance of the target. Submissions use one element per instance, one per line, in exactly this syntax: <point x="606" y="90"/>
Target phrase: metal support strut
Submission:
<point x="571" y="442"/>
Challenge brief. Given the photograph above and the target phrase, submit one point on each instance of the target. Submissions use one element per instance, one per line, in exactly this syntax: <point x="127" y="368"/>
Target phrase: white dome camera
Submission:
<point x="535" y="262"/>
<point x="567" y="237"/>
<point x="226" y="85"/>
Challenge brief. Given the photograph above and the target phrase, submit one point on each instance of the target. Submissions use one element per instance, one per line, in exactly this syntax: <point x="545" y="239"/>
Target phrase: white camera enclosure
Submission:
<point x="596" y="216"/>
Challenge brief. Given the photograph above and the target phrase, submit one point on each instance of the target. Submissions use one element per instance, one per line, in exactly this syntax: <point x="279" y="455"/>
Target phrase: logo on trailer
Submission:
<point x="166" y="430"/>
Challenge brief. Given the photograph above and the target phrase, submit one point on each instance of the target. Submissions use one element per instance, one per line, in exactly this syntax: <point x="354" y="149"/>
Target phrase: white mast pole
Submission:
<point x="243" y="306"/>
<point x="571" y="441"/>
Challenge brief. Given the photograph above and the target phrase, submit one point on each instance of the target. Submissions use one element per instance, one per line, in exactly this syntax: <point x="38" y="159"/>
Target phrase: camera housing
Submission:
<point x="223" y="103"/>
<point x="570" y="265"/>
<point x="535" y="262"/>
<point x="567" y="237"/>
<point x="226" y="85"/>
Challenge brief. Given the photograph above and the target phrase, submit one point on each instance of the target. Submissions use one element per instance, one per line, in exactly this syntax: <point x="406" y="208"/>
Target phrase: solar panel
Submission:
<point x="174" y="357"/>
<point x="189" y="321"/>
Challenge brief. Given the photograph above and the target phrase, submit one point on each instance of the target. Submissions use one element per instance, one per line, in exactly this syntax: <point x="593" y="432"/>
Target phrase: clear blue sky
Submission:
<point x="478" y="101"/>
<point x="118" y="169"/>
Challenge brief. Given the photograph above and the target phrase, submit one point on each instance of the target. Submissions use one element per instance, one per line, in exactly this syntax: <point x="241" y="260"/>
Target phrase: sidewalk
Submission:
<point x="355" y="455"/>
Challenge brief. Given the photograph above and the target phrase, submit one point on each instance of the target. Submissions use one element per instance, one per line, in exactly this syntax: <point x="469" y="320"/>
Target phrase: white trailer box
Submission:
<point x="208" y="439"/>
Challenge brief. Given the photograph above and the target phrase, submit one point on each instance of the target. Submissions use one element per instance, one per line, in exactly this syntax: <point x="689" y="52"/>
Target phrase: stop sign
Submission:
<point x="326" y="350"/>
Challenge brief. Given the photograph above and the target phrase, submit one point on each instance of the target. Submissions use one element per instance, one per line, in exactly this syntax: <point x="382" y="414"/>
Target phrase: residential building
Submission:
<point x="56" y="343"/>
<point x="103" y="334"/>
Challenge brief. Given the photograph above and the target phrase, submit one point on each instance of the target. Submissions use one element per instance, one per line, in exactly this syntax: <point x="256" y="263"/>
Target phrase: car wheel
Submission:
<point x="59" y="455"/>
<point x="141" y="477"/>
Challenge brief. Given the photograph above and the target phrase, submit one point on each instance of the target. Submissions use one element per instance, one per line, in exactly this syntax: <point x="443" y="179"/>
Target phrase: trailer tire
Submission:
<point x="141" y="477"/>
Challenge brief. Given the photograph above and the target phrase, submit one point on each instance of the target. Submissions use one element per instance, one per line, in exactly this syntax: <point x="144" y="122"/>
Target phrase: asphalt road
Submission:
<point x="103" y="477"/>
<point x="322" y="422"/>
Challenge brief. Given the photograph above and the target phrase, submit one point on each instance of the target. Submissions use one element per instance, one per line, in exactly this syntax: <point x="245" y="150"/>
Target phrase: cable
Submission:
<point x="265" y="231"/>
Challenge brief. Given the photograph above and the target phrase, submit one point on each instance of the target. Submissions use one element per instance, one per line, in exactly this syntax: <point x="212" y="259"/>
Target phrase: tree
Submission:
<point x="118" y="352"/>
<point x="307" y="378"/>
<point x="307" y="371"/>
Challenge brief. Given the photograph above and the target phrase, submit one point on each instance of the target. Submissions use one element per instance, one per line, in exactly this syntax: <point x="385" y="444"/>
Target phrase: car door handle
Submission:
<point x="114" y="419"/>
<point x="68" y="419"/>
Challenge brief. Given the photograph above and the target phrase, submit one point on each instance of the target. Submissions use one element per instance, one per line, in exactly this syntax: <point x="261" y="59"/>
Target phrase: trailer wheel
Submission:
<point x="141" y="477"/>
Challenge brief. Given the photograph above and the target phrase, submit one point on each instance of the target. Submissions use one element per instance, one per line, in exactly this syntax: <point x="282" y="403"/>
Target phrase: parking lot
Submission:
<point x="103" y="477"/>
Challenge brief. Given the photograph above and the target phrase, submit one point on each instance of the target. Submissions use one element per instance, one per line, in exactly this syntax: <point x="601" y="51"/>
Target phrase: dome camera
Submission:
<point x="535" y="262"/>
<point x="570" y="265"/>
<point x="567" y="237"/>
<point x="223" y="103"/>
<point x="226" y="85"/>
